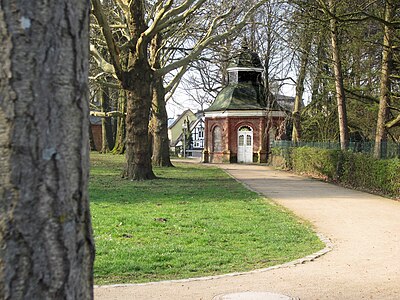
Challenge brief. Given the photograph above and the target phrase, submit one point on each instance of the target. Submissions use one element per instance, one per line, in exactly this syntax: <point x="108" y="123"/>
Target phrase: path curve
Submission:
<point x="364" y="263"/>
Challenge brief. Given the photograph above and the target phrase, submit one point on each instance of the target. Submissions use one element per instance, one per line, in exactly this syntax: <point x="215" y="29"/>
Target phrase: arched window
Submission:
<point x="217" y="139"/>
<point x="245" y="128"/>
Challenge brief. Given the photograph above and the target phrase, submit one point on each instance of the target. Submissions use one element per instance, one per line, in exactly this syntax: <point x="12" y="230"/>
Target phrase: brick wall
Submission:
<point x="230" y="126"/>
<point x="96" y="131"/>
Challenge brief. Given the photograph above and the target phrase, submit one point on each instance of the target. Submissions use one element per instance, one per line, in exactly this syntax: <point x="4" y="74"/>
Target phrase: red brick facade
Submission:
<point x="229" y="145"/>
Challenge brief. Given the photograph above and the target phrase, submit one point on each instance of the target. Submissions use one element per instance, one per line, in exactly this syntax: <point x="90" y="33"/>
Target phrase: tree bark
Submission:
<point x="339" y="85"/>
<point x="298" y="100"/>
<point x="138" y="89"/>
<point x="384" y="100"/>
<point x="135" y="79"/>
<point x="159" y="118"/>
<point x="46" y="246"/>
<point x="106" y="141"/>
<point x="159" y="127"/>
<point x="119" y="146"/>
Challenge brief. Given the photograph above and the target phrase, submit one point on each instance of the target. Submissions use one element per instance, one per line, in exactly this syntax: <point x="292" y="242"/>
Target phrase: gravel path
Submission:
<point x="364" y="262"/>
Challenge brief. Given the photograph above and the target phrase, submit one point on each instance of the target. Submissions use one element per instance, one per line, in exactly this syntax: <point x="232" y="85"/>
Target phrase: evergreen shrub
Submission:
<point x="356" y="170"/>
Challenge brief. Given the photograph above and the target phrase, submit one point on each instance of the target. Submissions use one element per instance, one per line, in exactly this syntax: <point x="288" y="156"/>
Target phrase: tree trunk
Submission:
<point x="298" y="100"/>
<point x="384" y="101"/>
<point x="46" y="246"/>
<point x="159" y="127"/>
<point x="159" y="118"/>
<point x="138" y="89"/>
<point x="135" y="78"/>
<point x="267" y="63"/>
<point x="339" y="85"/>
<point x="119" y="146"/>
<point x="319" y="69"/>
<point x="106" y="127"/>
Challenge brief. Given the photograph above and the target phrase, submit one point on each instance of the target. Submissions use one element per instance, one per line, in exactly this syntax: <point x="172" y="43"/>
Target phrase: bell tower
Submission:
<point x="236" y="122"/>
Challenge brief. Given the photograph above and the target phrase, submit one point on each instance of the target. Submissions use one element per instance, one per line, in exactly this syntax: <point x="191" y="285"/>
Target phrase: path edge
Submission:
<point x="309" y="258"/>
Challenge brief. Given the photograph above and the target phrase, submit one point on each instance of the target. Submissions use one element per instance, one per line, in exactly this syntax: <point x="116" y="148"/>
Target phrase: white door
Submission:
<point x="245" y="145"/>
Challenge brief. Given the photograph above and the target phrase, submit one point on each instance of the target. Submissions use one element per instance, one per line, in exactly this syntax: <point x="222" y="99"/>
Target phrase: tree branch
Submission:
<point x="111" y="45"/>
<point x="393" y="123"/>
<point x="151" y="31"/>
<point x="175" y="81"/>
<point x="107" y="114"/>
<point x="101" y="62"/>
<point x="168" y="21"/>
<point x="209" y="39"/>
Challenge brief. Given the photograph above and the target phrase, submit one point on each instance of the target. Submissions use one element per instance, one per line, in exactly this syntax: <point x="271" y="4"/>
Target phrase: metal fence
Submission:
<point x="389" y="150"/>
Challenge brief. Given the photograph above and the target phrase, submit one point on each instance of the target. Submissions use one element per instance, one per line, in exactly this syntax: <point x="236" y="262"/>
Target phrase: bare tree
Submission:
<point x="137" y="76"/>
<point x="337" y="67"/>
<point x="266" y="33"/>
<point x="304" y="30"/>
<point x="46" y="246"/>
<point x="386" y="71"/>
<point x="159" y="118"/>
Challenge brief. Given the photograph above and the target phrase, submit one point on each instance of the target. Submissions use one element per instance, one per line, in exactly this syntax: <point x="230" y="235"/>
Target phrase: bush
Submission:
<point x="316" y="162"/>
<point x="357" y="170"/>
<point x="281" y="157"/>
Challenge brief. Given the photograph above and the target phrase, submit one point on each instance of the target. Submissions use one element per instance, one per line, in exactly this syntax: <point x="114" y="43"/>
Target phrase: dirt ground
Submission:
<point x="363" y="264"/>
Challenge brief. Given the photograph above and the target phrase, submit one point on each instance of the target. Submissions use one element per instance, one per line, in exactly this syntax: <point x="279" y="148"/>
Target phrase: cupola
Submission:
<point x="245" y="89"/>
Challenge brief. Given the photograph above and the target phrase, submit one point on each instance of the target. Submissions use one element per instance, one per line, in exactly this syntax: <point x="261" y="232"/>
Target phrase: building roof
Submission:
<point x="95" y="120"/>
<point x="173" y="123"/>
<point x="192" y="126"/>
<point x="238" y="96"/>
<point x="284" y="102"/>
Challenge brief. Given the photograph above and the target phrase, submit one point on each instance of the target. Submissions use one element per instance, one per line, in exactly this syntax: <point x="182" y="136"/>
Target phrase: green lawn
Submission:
<point x="193" y="221"/>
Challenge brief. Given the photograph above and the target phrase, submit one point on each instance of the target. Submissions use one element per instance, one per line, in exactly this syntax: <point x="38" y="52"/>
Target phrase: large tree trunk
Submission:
<point x="119" y="146"/>
<point x="46" y="246"/>
<point x="159" y="118"/>
<point x="138" y="86"/>
<point x="339" y="85"/>
<point x="136" y="79"/>
<point x="384" y="101"/>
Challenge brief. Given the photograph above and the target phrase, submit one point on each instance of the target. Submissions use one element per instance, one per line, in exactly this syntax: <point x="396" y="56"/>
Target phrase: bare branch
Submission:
<point x="106" y="30"/>
<point x="168" y="21"/>
<point x="175" y="81"/>
<point x="209" y="39"/>
<point x="101" y="62"/>
<point x="393" y="123"/>
<point x="107" y="114"/>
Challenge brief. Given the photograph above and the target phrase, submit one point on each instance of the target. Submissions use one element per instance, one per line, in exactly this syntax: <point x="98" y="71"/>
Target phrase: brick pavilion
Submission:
<point x="239" y="122"/>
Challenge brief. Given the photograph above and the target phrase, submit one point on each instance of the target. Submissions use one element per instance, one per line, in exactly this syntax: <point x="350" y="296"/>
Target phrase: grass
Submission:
<point x="193" y="221"/>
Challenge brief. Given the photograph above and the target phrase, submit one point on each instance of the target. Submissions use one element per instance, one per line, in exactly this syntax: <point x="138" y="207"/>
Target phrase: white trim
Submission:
<point x="245" y="151"/>
<point x="245" y="69"/>
<point x="244" y="113"/>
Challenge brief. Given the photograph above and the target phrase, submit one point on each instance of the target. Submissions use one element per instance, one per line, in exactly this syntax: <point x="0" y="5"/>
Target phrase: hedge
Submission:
<point x="355" y="170"/>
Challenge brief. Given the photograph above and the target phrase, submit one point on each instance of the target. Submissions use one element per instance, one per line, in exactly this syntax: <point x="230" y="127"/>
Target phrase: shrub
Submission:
<point x="316" y="162"/>
<point x="281" y="157"/>
<point x="351" y="169"/>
